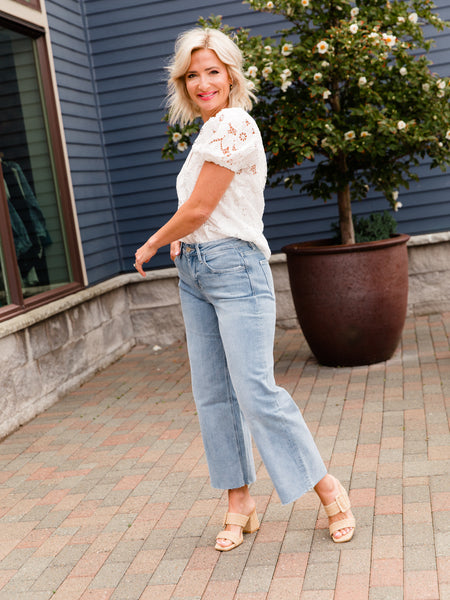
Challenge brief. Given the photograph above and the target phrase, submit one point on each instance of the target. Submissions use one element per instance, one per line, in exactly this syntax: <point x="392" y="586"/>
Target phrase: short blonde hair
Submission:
<point x="181" y="107"/>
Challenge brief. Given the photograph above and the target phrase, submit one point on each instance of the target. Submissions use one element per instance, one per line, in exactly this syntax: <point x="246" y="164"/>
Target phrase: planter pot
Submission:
<point x="350" y="301"/>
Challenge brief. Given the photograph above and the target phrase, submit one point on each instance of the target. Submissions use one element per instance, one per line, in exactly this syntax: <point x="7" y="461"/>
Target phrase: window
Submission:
<point x="32" y="3"/>
<point x="38" y="246"/>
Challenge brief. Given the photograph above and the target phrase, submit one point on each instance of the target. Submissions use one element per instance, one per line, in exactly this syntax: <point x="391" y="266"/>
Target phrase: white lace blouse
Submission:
<point x="230" y="139"/>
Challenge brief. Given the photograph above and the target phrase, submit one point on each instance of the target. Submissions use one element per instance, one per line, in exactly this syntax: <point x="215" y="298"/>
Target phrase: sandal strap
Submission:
<point x="342" y="524"/>
<point x="235" y="519"/>
<point x="229" y="535"/>
<point x="340" y="504"/>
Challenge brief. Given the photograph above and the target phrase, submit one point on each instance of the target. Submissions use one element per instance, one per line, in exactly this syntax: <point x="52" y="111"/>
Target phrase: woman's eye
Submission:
<point x="191" y="75"/>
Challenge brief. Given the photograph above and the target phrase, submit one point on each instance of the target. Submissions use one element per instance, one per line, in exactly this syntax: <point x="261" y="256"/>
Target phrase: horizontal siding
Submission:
<point x="130" y="43"/>
<point x="82" y="127"/>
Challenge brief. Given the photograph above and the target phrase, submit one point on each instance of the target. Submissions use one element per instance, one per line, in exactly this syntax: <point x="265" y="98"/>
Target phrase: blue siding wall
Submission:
<point x="84" y="139"/>
<point x="129" y="44"/>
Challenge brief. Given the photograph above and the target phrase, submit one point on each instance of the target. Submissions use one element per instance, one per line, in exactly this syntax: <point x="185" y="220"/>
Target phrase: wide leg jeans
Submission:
<point x="228" y="305"/>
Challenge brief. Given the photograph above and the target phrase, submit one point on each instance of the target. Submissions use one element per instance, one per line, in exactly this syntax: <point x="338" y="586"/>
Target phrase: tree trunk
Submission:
<point x="345" y="216"/>
<point x="345" y="207"/>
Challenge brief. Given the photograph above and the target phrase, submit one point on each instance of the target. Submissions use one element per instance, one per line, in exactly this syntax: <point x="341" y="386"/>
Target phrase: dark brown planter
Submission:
<point x="351" y="300"/>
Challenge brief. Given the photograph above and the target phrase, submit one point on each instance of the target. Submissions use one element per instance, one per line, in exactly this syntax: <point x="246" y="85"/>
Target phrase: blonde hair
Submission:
<point x="181" y="108"/>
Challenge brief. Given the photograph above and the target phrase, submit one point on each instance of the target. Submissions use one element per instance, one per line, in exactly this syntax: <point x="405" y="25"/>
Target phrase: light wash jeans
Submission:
<point x="228" y="304"/>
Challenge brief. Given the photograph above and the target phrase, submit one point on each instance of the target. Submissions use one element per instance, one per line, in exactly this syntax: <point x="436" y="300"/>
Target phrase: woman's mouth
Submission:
<point x="207" y="96"/>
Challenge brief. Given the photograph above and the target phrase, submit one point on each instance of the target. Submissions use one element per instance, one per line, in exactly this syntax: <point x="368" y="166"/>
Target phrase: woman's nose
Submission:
<point x="203" y="82"/>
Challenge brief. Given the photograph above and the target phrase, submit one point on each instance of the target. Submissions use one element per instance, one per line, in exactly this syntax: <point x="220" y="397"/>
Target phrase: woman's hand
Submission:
<point x="175" y="248"/>
<point x="143" y="255"/>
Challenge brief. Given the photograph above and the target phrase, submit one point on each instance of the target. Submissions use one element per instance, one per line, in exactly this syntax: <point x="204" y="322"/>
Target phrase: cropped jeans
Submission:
<point x="228" y="305"/>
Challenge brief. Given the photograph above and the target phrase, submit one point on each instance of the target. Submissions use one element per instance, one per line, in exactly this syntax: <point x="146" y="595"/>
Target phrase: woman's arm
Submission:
<point x="208" y="191"/>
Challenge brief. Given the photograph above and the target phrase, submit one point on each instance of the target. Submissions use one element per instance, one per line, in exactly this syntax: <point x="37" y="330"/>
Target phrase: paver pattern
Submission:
<point x="106" y="496"/>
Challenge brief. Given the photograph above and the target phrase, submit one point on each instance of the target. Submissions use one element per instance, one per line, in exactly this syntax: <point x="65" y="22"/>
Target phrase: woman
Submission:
<point x="227" y="294"/>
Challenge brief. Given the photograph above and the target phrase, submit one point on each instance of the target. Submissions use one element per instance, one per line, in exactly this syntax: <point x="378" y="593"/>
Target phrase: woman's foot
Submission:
<point x="337" y="506"/>
<point x="239" y="503"/>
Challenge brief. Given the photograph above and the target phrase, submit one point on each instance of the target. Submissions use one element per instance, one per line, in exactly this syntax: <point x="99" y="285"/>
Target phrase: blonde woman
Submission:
<point x="216" y="240"/>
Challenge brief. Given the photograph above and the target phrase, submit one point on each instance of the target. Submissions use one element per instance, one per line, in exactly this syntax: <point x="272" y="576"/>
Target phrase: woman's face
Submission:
<point x="208" y="82"/>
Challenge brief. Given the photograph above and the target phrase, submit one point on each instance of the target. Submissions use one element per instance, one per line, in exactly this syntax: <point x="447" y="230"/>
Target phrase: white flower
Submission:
<point x="441" y="84"/>
<point x="305" y="3"/>
<point x="413" y="17"/>
<point x="389" y="39"/>
<point x="426" y="87"/>
<point x="395" y="195"/>
<point x="176" y="137"/>
<point x="365" y="134"/>
<point x="182" y="146"/>
<point x="354" y="12"/>
<point x="270" y="5"/>
<point x="403" y="71"/>
<point x="440" y="94"/>
<point x="286" y="49"/>
<point x="251" y="71"/>
<point x="447" y="135"/>
<point x="353" y="28"/>
<point x="266" y="72"/>
<point x="362" y="81"/>
<point x="401" y="19"/>
<point x="401" y="125"/>
<point x="397" y="205"/>
<point x="285" y="85"/>
<point x="317" y="76"/>
<point x="325" y="64"/>
<point x="322" y="47"/>
<point x="326" y="94"/>
<point x="267" y="49"/>
<point x="350" y="135"/>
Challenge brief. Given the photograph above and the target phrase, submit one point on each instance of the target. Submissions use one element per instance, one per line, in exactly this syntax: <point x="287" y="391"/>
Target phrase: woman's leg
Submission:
<point x="226" y="436"/>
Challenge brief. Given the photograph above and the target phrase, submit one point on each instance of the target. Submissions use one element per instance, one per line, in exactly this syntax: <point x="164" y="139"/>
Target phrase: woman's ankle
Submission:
<point x="240" y="501"/>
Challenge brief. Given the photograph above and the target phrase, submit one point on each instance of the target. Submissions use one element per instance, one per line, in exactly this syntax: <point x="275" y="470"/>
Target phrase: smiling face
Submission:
<point x="208" y="82"/>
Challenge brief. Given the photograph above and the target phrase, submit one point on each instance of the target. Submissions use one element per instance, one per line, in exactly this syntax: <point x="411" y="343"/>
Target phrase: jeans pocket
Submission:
<point x="226" y="260"/>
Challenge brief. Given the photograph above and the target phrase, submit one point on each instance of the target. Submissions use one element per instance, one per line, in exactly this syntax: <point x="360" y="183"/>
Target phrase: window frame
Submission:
<point x="19" y="304"/>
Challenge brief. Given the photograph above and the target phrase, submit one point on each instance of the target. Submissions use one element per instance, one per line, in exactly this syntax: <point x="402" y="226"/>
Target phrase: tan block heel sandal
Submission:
<point x="249" y="524"/>
<point x="341" y="504"/>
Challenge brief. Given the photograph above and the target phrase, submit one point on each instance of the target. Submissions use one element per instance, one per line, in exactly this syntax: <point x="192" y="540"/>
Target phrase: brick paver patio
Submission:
<point x="105" y="496"/>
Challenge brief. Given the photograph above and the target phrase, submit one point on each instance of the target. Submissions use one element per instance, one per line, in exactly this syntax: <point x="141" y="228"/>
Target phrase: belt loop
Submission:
<point x="199" y="254"/>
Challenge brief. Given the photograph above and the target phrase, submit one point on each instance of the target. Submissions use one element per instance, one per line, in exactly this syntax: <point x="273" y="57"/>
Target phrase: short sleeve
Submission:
<point x="231" y="140"/>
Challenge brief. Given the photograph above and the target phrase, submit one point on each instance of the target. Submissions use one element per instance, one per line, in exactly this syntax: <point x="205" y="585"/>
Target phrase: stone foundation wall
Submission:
<point x="54" y="349"/>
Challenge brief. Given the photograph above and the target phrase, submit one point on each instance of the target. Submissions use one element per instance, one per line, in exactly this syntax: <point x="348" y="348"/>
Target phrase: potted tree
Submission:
<point x="347" y="86"/>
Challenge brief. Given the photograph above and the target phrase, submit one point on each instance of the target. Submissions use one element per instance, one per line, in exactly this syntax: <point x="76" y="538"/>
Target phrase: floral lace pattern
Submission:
<point x="232" y="140"/>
